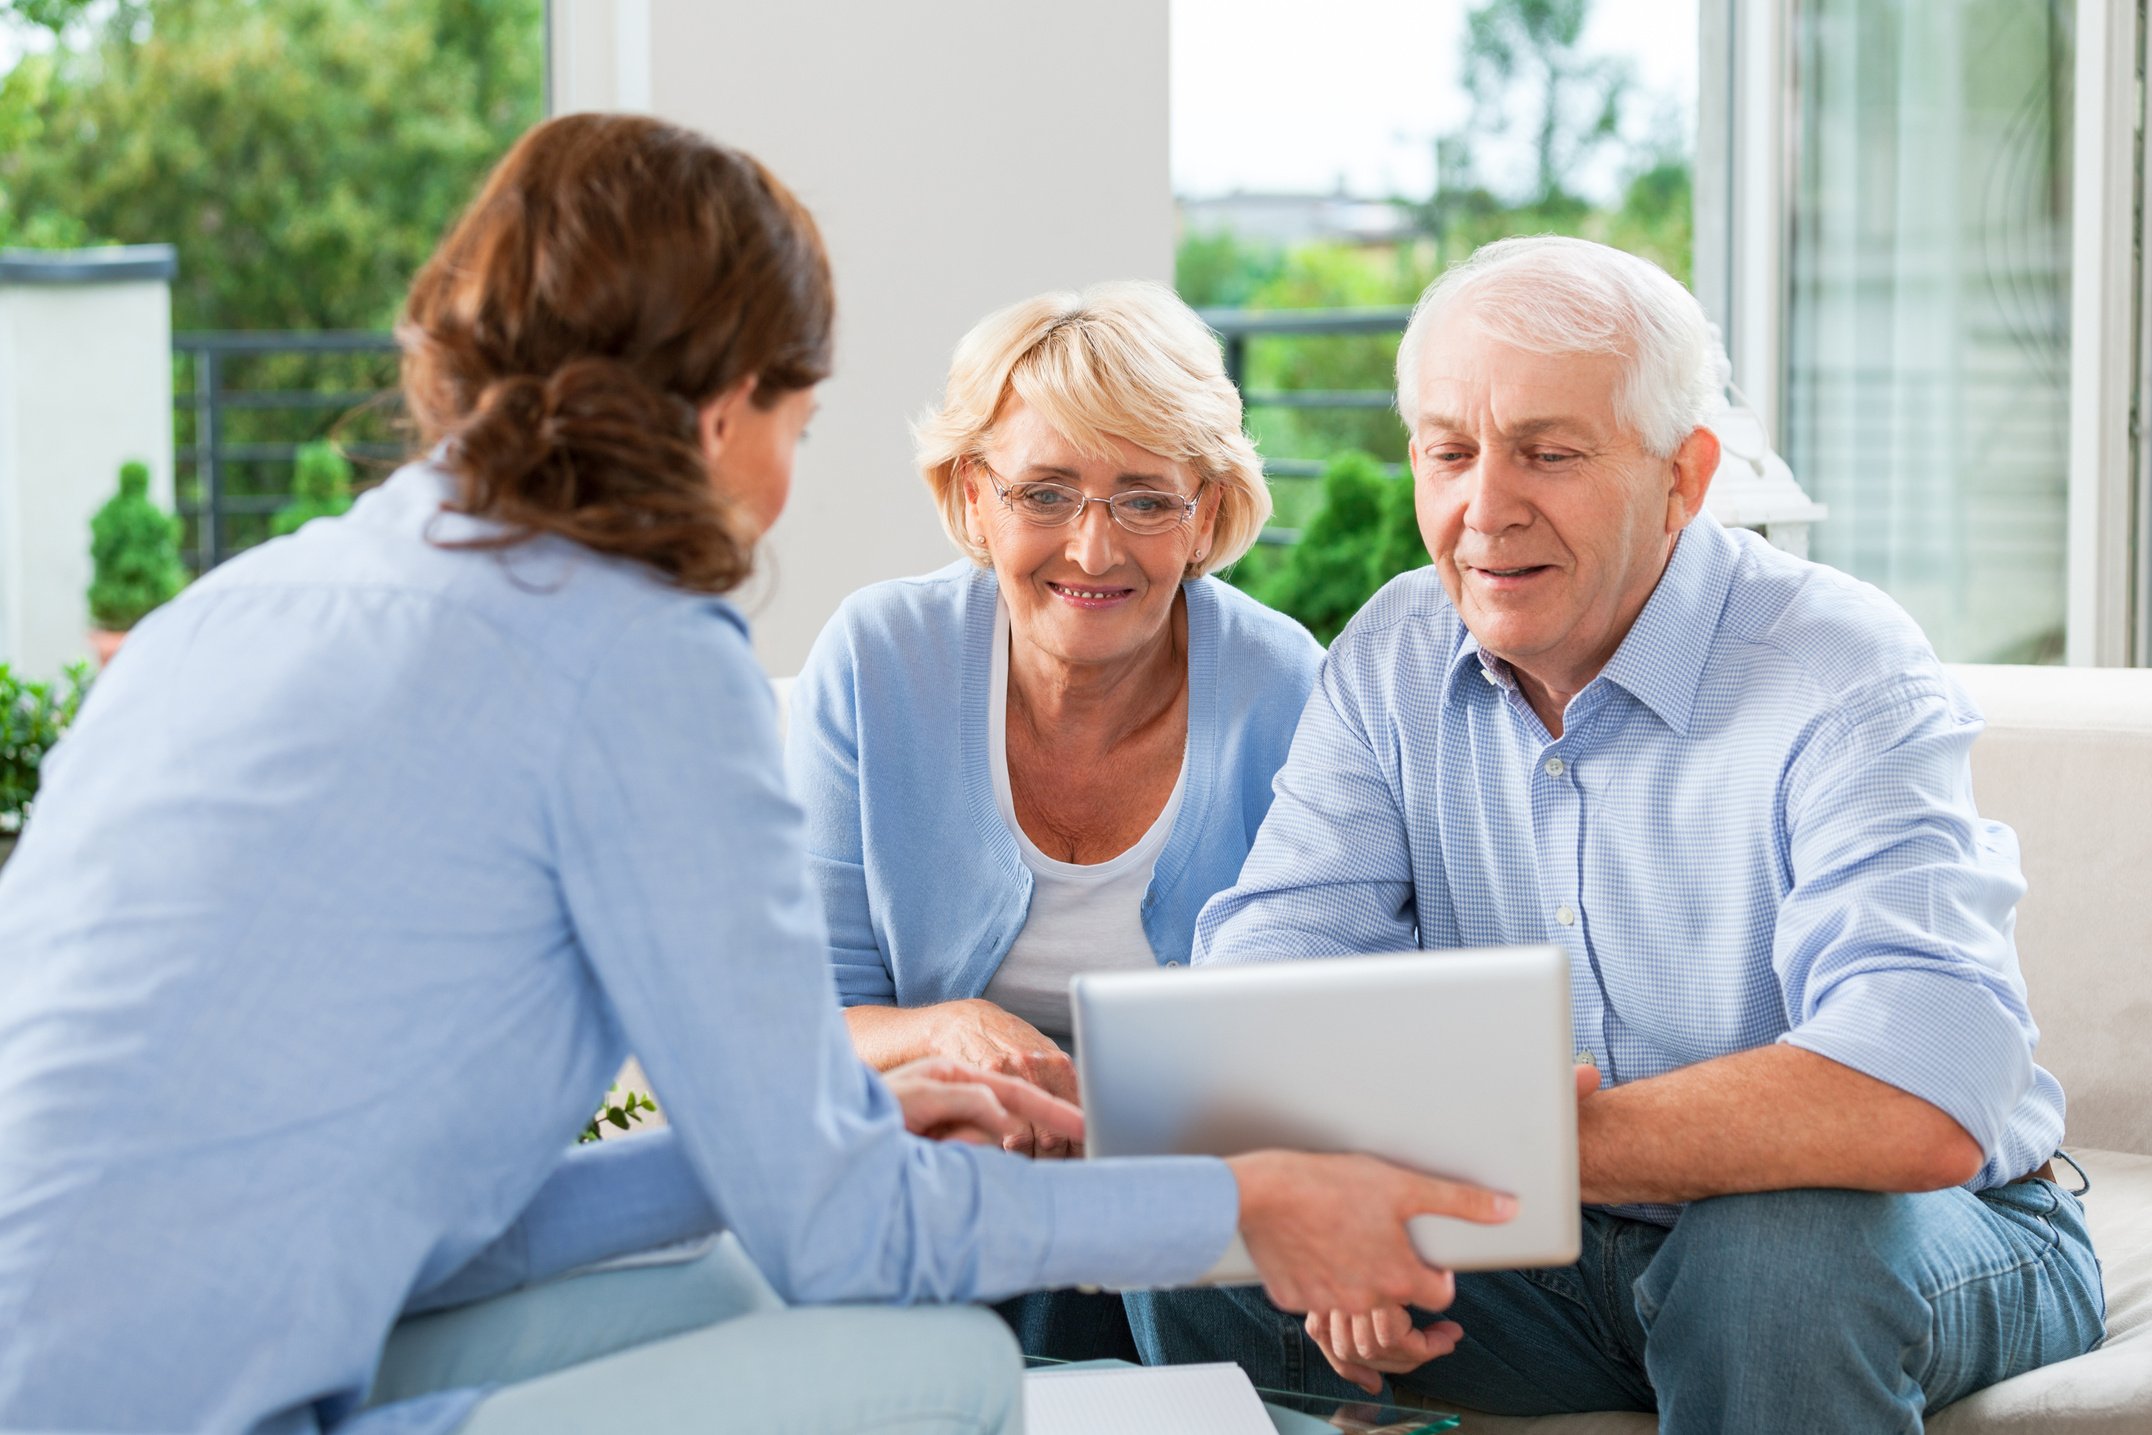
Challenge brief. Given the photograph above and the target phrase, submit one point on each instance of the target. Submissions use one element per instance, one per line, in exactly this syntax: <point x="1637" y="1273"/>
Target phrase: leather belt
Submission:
<point x="2045" y="1171"/>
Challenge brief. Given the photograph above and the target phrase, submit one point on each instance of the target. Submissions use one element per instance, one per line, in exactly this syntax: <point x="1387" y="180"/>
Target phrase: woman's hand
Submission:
<point x="984" y="1035"/>
<point x="979" y="1034"/>
<point x="946" y="1100"/>
<point x="1328" y="1233"/>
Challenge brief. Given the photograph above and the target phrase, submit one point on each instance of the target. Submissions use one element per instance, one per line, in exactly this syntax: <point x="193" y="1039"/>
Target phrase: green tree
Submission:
<point x="1364" y="534"/>
<point x="320" y="488"/>
<point x="304" y="155"/>
<point x="1218" y="269"/>
<point x="134" y="554"/>
<point x="1527" y="73"/>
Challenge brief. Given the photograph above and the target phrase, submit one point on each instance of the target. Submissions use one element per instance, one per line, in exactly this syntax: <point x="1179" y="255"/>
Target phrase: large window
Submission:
<point x="1338" y="167"/>
<point x="1926" y="329"/>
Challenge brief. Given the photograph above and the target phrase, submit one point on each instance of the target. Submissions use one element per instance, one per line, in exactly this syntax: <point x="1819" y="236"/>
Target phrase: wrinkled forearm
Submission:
<point x="888" y="1036"/>
<point x="1775" y="1118"/>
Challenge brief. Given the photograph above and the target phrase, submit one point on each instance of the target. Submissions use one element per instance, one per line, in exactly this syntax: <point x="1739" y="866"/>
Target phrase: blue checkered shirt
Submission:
<point x="1756" y="826"/>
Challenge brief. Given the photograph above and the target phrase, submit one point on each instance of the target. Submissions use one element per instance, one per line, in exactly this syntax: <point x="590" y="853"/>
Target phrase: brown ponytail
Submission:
<point x="614" y="275"/>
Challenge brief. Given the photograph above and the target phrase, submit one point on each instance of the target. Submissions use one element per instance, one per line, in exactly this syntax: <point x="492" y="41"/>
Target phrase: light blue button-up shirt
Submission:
<point x="1756" y="826"/>
<point x="366" y="864"/>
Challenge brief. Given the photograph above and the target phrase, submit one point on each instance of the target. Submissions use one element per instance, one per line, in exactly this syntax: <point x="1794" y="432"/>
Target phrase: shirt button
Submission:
<point x="1554" y="767"/>
<point x="1173" y="961"/>
<point x="1566" y="916"/>
<point x="1492" y="680"/>
<point x="1585" y="1058"/>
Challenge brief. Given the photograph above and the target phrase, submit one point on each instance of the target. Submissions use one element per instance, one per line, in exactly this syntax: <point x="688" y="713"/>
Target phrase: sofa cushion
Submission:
<point x="2105" y="1392"/>
<point x="2066" y="761"/>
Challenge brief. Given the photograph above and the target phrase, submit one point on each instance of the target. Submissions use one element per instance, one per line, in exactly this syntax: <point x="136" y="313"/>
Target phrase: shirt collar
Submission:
<point x="1661" y="661"/>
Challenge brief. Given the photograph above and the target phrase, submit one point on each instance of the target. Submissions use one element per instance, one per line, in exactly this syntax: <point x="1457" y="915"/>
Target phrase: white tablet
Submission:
<point x="1456" y="1063"/>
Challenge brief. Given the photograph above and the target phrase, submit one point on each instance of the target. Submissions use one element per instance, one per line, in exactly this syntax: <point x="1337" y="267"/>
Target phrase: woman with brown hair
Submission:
<point x="374" y="854"/>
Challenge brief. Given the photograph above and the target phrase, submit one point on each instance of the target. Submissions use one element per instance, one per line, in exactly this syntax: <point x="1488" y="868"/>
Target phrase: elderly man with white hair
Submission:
<point x="1733" y="786"/>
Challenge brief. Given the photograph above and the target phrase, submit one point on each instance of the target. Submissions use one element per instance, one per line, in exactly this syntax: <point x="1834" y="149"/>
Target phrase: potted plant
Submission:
<point x="320" y="488"/>
<point x="134" y="553"/>
<point x="32" y="717"/>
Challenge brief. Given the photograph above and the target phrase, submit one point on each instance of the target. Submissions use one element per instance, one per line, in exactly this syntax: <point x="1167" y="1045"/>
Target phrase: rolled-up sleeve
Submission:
<point x="1331" y="868"/>
<point x="1894" y="942"/>
<point x="822" y="766"/>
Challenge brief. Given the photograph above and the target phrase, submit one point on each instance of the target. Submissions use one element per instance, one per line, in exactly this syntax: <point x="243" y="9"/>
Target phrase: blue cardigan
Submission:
<point x="920" y="877"/>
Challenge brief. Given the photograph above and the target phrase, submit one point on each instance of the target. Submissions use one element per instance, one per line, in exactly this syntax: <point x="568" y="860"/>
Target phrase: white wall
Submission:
<point x="85" y="385"/>
<point x="959" y="155"/>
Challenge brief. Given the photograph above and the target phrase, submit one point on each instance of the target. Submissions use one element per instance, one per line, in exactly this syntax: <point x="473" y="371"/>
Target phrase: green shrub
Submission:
<point x="32" y="717"/>
<point x="1364" y="534"/>
<point x="134" y="549"/>
<point x="320" y="488"/>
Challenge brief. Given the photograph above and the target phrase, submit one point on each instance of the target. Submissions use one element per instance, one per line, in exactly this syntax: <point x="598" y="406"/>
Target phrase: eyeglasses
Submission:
<point x="1056" y="505"/>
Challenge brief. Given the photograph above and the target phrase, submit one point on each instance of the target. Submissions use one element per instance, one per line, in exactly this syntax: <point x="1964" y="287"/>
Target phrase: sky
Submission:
<point x="1295" y="94"/>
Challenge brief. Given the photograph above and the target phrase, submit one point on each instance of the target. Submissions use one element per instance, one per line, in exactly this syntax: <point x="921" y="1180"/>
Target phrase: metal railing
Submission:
<point x="1236" y="328"/>
<point x="306" y="383"/>
<point x="283" y="389"/>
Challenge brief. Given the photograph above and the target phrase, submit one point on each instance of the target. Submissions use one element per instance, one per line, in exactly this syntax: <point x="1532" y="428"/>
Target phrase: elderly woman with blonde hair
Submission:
<point x="1044" y="758"/>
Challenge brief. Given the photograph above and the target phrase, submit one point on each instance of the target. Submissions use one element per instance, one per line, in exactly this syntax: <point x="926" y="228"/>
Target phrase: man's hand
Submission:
<point x="947" y="1100"/>
<point x="1366" y="1346"/>
<point x="1328" y="1232"/>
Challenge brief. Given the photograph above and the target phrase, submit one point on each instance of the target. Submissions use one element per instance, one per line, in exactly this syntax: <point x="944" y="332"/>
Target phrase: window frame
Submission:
<point x="1745" y="164"/>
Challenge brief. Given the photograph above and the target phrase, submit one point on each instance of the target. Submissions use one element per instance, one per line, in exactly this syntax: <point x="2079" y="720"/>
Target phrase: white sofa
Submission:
<point x="2067" y="761"/>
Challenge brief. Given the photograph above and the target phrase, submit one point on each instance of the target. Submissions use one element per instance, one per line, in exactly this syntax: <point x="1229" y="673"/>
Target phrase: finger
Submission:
<point x="1340" y="1323"/>
<point x="1364" y="1344"/>
<point x="1435" y="1341"/>
<point x="929" y="1105"/>
<point x="1435" y="1196"/>
<point x="1367" y="1379"/>
<point x="1587" y="1080"/>
<point x="1433" y="1288"/>
<point x="963" y="1135"/>
<point x="1392" y="1323"/>
<point x="1053" y="1072"/>
<point x="1321" y="1327"/>
<point x="1039" y="1108"/>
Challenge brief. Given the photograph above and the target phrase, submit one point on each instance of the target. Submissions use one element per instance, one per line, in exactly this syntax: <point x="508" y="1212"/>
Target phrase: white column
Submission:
<point x="85" y="386"/>
<point x="2108" y="369"/>
<point x="959" y="156"/>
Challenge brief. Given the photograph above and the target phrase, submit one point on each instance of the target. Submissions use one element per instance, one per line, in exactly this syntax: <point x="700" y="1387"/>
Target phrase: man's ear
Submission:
<point x="1695" y="463"/>
<point x="715" y="420"/>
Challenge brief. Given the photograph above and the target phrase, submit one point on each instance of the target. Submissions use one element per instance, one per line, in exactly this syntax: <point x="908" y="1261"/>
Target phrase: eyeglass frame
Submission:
<point x="1085" y="500"/>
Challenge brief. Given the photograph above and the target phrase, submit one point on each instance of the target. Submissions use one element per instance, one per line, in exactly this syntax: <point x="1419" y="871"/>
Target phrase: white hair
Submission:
<point x="1548" y="294"/>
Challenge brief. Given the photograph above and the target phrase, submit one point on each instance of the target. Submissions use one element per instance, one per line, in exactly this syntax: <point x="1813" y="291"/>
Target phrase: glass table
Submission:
<point x="1295" y="1414"/>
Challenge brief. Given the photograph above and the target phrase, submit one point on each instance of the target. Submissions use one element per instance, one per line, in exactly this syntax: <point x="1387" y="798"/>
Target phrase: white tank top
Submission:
<point x="1085" y="917"/>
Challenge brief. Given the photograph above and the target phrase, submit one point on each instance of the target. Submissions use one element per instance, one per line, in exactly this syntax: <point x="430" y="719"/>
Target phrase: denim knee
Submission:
<point x="1758" y="1267"/>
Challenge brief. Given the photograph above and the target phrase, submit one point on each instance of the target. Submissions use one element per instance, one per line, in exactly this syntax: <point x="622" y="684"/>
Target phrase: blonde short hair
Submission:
<point x="1124" y="360"/>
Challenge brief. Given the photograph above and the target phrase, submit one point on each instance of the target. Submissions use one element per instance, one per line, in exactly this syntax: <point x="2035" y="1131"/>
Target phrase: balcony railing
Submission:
<point x="244" y="404"/>
<point x="1238" y="327"/>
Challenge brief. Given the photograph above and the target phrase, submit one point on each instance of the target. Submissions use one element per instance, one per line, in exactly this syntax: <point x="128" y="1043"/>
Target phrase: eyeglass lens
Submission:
<point x="1140" y="510"/>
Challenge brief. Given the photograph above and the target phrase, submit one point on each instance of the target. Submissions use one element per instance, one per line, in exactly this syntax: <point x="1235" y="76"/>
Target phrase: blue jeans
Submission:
<point x="698" y="1341"/>
<point x="1785" y="1311"/>
<point x="1071" y="1325"/>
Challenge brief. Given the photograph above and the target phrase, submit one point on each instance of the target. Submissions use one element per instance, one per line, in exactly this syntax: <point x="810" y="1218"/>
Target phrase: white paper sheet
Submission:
<point x="1135" y="1400"/>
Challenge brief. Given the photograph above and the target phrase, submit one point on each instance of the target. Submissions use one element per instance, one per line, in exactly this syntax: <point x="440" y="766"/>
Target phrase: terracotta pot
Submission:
<point x="104" y="643"/>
